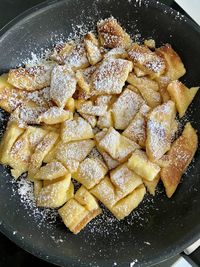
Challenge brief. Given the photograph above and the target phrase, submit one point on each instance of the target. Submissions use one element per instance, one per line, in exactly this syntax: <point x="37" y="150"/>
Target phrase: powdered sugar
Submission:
<point x="32" y="78"/>
<point x="159" y="130"/>
<point x="111" y="76"/>
<point x="77" y="57"/>
<point x="111" y="163"/>
<point x="111" y="34"/>
<point x="136" y="130"/>
<point x="41" y="97"/>
<point x="26" y="194"/>
<point x="103" y="100"/>
<point x="53" y="112"/>
<point x="37" y="58"/>
<point x="24" y="115"/>
<point x="86" y="108"/>
<point x="77" y="129"/>
<point x="75" y="150"/>
<point x="90" y="119"/>
<point x="92" y="48"/>
<point x="158" y="137"/>
<point x="91" y="171"/>
<point x="125" y="108"/>
<point x="135" y="261"/>
<point x="55" y="115"/>
<point x="104" y="223"/>
<point x="150" y="61"/>
<point x="121" y="176"/>
<point x="63" y="85"/>
<point x="110" y="142"/>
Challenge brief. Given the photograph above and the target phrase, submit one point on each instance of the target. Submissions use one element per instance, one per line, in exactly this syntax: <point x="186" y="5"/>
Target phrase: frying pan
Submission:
<point x="160" y="227"/>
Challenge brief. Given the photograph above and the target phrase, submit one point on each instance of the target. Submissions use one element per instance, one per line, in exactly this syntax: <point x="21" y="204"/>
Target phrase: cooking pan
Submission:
<point x="160" y="227"/>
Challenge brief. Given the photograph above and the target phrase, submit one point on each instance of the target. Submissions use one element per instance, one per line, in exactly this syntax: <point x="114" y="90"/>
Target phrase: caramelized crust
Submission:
<point x="11" y="97"/>
<point x="163" y="82"/>
<point x="26" y="115"/>
<point x="117" y="52"/>
<point x="159" y="128"/>
<point x="174" y="65"/>
<point x="30" y="79"/>
<point x="60" y="51"/>
<point x="92" y="48"/>
<point x="181" y="95"/>
<point x="148" y="61"/>
<point x="174" y="69"/>
<point x="180" y="156"/>
<point x="112" y="35"/>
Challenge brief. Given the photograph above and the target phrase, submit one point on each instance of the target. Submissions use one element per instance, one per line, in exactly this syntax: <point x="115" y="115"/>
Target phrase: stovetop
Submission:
<point x="10" y="254"/>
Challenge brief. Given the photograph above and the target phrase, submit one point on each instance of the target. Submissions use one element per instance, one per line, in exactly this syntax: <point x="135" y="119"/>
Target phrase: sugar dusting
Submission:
<point x="110" y="77"/>
<point x="63" y="85"/>
<point x="103" y="224"/>
<point x="106" y="224"/>
<point x="25" y="191"/>
<point x="79" y="30"/>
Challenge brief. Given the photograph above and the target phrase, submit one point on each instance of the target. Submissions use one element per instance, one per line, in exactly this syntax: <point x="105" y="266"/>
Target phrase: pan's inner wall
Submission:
<point x="168" y="225"/>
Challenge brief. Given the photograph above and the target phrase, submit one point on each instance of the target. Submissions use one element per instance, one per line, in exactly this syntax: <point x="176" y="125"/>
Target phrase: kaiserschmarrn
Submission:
<point x="102" y="111"/>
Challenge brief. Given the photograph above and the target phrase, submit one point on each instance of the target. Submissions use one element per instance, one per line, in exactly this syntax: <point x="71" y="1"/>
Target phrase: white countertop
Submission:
<point x="192" y="7"/>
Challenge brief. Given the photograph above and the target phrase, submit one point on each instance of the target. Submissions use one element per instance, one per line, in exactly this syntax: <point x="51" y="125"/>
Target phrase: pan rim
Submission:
<point x="7" y="230"/>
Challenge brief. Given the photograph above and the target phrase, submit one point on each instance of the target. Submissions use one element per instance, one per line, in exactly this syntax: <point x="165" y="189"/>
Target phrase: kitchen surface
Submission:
<point x="10" y="254"/>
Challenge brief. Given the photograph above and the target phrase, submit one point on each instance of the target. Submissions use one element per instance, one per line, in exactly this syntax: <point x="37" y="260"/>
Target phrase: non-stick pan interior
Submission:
<point x="160" y="227"/>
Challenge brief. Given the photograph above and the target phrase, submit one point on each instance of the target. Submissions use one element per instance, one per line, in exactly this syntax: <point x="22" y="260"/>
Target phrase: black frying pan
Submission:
<point x="157" y="230"/>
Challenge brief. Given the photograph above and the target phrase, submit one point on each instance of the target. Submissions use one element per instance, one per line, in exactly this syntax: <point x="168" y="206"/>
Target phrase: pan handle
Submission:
<point x="189" y="258"/>
<point x="192" y="248"/>
<point x="192" y="254"/>
<point x="182" y="262"/>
